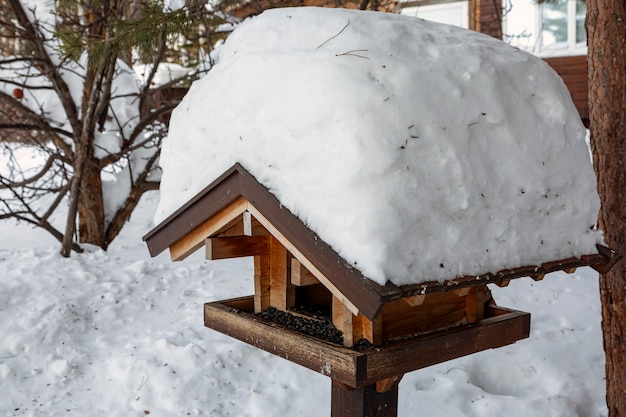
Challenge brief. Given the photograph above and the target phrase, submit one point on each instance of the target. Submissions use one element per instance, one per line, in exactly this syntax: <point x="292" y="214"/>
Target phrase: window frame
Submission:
<point x="570" y="46"/>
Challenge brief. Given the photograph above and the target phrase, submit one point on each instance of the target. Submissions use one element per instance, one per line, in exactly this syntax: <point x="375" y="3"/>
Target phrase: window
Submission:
<point x="551" y="28"/>
<point x="563" y="24"/>
<point x="455" y="13"/>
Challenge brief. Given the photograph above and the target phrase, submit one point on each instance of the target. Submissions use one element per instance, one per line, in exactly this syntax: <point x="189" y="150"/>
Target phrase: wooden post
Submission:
<point x="365" y="401"/>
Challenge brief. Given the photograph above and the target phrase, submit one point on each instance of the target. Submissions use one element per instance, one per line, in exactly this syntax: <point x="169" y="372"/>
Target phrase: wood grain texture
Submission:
<point x="366" y="367"/>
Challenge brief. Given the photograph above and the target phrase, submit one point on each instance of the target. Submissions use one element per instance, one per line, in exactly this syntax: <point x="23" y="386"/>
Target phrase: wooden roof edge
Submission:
<point x="367" y="295"/>
<point x="602" y="262"/>
<point x="236" y="182"/>
<point x="181" y="222"/>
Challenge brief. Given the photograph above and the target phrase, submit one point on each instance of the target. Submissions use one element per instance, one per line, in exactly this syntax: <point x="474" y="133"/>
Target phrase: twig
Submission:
<point x="333" y="37"/>
<point x="351" y="53"/>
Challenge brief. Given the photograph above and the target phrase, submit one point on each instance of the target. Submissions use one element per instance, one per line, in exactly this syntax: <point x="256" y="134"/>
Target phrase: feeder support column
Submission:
<point x="365" y="401"/>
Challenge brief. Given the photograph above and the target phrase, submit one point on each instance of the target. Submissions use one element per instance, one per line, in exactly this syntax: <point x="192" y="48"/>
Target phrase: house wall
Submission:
<point x="573" y="70"/>
<point x="488" y="17"/>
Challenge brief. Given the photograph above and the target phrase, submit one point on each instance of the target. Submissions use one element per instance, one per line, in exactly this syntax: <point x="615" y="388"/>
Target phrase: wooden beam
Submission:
<point x="475" y="303"/>
<point x="297" y="254"/>
<point x="538" y="277"/>
<point x="247" y="223"/>
<point x="388" y="384"/>
<point x="236" y="247"/>
<point x="282" y="291"/>
<point x="370" y="330"/>
<point x="195" y="238"/>
<point x="261" y="283"/>
<point x="343" y="320"/>
<point x="435" y="311"/>
<point x="301" y="276"/>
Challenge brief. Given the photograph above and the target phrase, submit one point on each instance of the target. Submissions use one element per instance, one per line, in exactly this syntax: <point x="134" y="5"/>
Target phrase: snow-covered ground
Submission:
<point x="120" y="334"/>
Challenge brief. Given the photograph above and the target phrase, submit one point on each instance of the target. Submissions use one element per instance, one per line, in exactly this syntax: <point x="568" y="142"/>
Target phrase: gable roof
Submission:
<point x="236" y="191"/>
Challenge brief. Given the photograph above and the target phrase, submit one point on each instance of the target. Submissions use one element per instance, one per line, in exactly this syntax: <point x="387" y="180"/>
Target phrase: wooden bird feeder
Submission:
<point x="378" y="333"/>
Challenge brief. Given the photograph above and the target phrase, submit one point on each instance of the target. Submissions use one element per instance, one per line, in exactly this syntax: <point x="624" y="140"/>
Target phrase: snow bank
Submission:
<point x="419" y="151"/>
<point x="121" y="334"/>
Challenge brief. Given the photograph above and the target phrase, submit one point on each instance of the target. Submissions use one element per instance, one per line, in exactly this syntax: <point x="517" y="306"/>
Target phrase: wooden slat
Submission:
<point x="261" y="283"/>
<point x="236" y="247"/>
<point x="194" y="240"/>
<point x="475" y="303"/>
<point x="301" y="276"/>
<point x="247" y="223"/>
<point x="343" y="320"/>
<point x="370" y="330"/>
<point x="282" y="291"/>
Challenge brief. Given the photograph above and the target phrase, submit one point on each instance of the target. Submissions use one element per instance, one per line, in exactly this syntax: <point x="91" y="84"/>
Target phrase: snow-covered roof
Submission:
<point x="417" y="151"/>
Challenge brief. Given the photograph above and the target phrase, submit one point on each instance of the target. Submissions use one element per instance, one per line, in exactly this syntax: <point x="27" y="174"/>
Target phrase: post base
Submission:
<point x="363" y="402"/>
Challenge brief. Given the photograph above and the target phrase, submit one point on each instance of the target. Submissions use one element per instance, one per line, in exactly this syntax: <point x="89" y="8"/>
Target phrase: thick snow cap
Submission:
<point x="419" y="151"/>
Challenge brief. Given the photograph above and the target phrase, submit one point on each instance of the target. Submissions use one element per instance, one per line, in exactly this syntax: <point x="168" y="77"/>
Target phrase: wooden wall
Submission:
<point x="573" y="70"/>
<point x="486" y="17"/>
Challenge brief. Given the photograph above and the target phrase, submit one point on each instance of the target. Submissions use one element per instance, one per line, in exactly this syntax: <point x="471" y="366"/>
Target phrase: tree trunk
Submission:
<point x="606" y="34"/>
<point x="91" y="205"/>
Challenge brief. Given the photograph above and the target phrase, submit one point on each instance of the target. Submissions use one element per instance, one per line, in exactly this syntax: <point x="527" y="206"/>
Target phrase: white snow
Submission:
<point x="419" y="151"/>
<point x="121" y="334"/>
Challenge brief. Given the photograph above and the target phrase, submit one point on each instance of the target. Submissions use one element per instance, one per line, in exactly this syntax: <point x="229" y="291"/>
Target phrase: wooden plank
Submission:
<point x="335" y="361"/>
<point x="358" y="369"/>
<point x="436" y="311"/>
<point x="282" y="291"/>
<point x="371" y="330"/>
<point x="247" y="223"/>
<point x="261" y="283"/>
<point x="426" y="350"/>
<point x="194" y="240"/>
<point x="236" y="247"/>
<point x="475" y="302"/>
<point x="337" y="313"/>
<point x="415" y="300"/>
<point x="611" y="257"/>
<point x="301" y="276"/>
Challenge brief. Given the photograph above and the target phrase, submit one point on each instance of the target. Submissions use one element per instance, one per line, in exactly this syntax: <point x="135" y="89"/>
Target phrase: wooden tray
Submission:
<point x="361" y="368"/>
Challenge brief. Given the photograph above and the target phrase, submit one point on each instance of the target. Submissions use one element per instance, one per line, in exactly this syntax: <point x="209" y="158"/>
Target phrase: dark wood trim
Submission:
<point x="223" y="191"/>
<point x="602" y="261"/>
<point x="365" y="294"/>
<point x="362" y="368"/>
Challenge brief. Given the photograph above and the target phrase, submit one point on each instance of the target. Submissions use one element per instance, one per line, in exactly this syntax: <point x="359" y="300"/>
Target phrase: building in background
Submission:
<point x="479" y="15"/>
<point x="555" y="31"/>
<point x="551" y="29"/>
